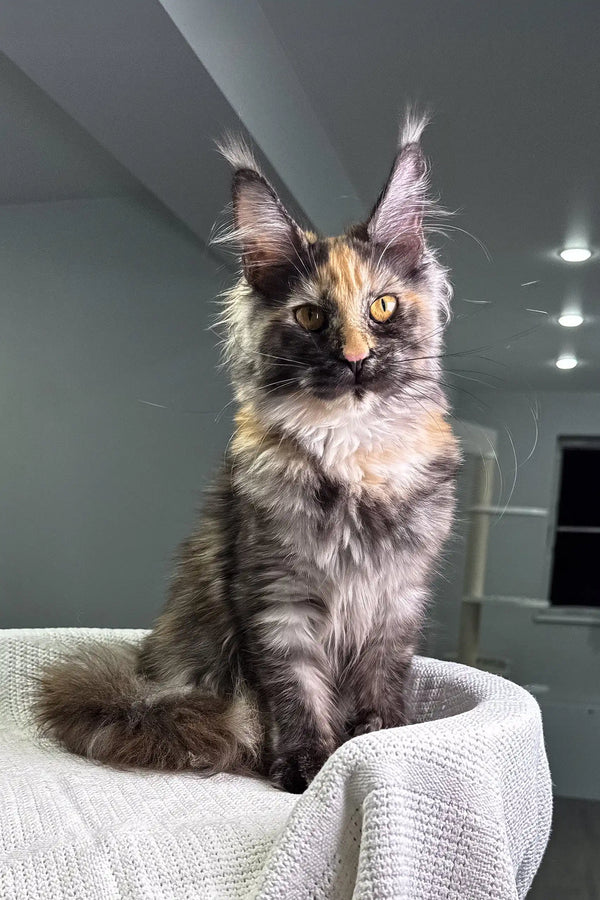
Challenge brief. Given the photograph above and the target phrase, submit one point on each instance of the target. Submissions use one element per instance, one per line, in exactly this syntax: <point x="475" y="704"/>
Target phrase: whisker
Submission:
<point x="513" y="337"/>
<point x="442" y="229"/>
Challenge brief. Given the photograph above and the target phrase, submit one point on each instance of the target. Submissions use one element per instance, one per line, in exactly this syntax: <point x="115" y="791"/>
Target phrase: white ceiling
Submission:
<point x="106" y="98"/>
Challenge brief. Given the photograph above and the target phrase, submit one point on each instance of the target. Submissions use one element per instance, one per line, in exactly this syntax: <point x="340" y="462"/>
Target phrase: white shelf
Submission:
<point x="491" y="599"/>
<point x="536" y="511"/>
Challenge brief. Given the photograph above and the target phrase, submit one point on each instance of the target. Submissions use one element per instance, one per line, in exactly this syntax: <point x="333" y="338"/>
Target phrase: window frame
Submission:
<point x="575" y="442"/>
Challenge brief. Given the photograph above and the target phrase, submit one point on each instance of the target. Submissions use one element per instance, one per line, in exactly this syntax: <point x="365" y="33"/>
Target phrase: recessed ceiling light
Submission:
<point x="570" y="320"/>
<point x="575" y="254"/>
<point x="566" y="362"/>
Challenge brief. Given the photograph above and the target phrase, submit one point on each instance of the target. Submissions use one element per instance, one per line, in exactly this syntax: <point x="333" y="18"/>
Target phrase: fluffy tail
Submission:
<point x="96" y="705"/>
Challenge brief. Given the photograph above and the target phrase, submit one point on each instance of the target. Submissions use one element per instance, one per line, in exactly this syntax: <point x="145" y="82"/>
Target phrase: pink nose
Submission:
<point x="356" y="355"/>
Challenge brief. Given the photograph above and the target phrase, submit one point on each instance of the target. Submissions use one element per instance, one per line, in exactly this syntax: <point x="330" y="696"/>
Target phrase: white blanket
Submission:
<point x="457" y="805"/>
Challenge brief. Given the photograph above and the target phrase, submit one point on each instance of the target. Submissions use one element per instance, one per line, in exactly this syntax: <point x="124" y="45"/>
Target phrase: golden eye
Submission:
<point x="383" y="308"/>
<point x="311" y="317"/>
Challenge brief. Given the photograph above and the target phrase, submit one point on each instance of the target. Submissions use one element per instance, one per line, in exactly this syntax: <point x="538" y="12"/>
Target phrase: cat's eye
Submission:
<point x="383" y="308"/>
<point x="311" y="317"/>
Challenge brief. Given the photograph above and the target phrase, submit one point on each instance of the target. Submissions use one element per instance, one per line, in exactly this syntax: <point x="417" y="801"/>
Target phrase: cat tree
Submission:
<point x="474" y="597"/>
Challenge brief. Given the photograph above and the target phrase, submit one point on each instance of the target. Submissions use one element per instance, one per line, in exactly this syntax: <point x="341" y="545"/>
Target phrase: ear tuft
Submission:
<point x="271" y="244"/>
<point x="412" y="127"/>
<point x="237" y="152"/>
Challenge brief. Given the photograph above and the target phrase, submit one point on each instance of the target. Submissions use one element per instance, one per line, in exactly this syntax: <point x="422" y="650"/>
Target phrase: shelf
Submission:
<point x="527" y="602"/>
<point x="569" y="615"/>
<point x="579" y="529"/>
<point x="509" y="511"/>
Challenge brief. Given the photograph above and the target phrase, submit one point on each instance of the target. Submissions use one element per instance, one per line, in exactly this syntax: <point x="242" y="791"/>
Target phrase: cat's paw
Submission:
<point x="285" y="774"/>
<point x="293" y="772"/>
<point x="372" y="722"/>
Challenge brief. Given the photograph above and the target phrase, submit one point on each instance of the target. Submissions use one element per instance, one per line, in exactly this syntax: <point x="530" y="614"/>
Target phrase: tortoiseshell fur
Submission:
<point x="297" y="603"/>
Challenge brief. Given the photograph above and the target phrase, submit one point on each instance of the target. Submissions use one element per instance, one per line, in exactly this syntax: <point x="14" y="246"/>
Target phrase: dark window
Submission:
<point x="576" y="557"/>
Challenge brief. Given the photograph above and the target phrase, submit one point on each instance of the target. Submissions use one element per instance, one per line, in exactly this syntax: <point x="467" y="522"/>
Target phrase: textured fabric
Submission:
<point x="457" y="805"/>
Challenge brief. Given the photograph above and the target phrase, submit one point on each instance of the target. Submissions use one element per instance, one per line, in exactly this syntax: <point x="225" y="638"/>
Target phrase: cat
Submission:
<point x="297" y="603"/>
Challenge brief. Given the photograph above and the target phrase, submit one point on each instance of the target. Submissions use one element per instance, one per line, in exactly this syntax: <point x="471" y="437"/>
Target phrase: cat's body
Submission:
<point x="296" y="605"/>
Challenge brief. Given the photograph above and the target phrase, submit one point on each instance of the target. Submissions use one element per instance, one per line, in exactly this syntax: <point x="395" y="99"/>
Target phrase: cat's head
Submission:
<point x="336" y="320"/>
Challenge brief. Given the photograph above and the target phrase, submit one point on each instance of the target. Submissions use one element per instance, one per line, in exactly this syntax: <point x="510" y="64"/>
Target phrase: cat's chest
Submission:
<point x="349" y="525"/>
<point x="340" y="527"/>
<point x="343" y="513"/>
<point x="359" y="553"/>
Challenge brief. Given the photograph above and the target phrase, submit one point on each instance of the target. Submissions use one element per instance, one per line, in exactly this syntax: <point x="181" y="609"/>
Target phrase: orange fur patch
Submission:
<point x="344" y="276"/>
<point x="375" y="470"/>
<point x="253" y="437"/>
<point x="356" y="343"/>
<point x="427" y="309"/>
<point x="250" y="433"/>
<point x="434" y="439"/>
<point x="436" y="436"/>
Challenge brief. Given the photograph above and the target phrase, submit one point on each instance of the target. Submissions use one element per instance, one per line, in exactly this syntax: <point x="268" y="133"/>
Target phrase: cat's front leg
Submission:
<point x="295" y="685"/>
<point x="304" y="723"/>
<point x="376" y="680"/>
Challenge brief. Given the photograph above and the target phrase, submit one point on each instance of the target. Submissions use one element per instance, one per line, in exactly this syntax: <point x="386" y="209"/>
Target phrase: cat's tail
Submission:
<point x="96" y="705"/>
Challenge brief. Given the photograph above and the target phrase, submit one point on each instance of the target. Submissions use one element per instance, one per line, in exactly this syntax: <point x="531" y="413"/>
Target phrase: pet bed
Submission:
<point x="456" y="805"/>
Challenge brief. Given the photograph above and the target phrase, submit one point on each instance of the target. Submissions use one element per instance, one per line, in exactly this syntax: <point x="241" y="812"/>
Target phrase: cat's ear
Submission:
<point x="396" y="222"/>
<point x="271" y="244"/>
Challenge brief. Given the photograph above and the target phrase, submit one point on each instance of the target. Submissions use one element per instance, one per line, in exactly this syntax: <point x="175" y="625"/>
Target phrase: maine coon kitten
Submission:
<point x="296" y="604"/>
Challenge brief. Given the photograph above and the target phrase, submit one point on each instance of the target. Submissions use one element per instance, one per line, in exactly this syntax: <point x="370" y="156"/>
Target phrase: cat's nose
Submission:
<point x="356" y="366"/>
<point x="356" y="361"/>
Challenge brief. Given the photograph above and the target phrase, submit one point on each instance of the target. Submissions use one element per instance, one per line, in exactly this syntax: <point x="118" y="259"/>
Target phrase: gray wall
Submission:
<point x="105" y="303"/>
<point x="564" y="657"/>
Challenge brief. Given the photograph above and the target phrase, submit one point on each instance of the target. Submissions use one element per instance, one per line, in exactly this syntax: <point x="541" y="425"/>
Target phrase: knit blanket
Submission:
<point x="456" y="805"/>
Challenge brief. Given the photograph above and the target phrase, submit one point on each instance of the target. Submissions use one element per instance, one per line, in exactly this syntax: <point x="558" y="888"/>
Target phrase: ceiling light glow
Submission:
<point x="575" y="254"/>
<point x="566" y="362"/>
<point x="570" y="320"/>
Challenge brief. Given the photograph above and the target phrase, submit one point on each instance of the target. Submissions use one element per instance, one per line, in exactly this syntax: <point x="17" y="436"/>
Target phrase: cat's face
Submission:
<point x="336" y="319"/>
<point x="349" y="323"/>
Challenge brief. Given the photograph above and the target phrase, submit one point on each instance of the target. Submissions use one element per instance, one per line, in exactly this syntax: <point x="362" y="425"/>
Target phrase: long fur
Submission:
<point x="97" y="706"/>
<point x="297" y="603"/>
